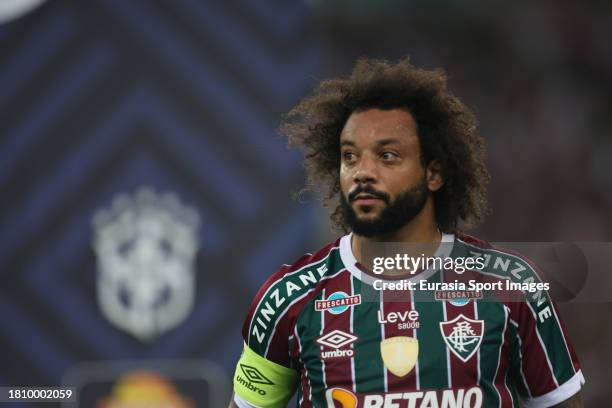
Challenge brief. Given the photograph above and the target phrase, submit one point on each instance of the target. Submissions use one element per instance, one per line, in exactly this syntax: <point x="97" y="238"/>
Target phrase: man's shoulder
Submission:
<point x="499" y="260"/>
<point x="284" y="293"/>
<point x="307" y="264"/>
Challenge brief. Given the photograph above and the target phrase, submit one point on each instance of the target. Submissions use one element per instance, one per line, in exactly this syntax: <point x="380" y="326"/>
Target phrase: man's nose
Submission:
<point x="365" y="172"/>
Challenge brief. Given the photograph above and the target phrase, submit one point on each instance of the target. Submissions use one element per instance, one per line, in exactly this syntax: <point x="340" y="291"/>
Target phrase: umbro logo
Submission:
<point x="337" y="339"/>
<point x="254" y="375"/>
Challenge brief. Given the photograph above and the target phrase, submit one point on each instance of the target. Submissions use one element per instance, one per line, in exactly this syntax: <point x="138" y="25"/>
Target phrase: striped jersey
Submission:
<point x="326" y="322"/>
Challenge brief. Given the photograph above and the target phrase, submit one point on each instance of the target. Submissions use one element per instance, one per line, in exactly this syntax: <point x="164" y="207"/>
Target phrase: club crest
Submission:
<point x="146" y="247"/>
<point x="462" y="336"/>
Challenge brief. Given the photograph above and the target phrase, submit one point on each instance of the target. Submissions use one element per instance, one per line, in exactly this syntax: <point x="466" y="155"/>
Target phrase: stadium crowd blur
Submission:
<point x="539" y="78"/>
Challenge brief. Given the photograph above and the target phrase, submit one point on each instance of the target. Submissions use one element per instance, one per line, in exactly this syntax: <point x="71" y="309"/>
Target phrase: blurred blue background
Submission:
<point x="105" y="102"/>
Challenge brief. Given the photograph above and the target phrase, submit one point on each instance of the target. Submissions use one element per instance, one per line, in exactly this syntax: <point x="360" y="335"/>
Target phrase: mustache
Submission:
<point x="367" y="189"/>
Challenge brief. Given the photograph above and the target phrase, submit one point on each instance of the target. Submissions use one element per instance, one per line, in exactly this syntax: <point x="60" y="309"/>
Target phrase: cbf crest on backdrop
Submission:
<point x="146" y="245"/>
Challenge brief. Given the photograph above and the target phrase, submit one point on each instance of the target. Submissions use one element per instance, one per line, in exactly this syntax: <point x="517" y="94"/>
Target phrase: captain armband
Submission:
<point x="262" y="382"/>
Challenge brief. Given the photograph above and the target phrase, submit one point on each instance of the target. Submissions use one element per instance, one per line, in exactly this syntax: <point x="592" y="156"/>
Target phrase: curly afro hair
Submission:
<point x="446" y="131"/>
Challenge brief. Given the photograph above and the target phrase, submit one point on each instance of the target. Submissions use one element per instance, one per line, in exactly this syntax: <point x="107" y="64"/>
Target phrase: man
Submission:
<point x="404" y="157"/>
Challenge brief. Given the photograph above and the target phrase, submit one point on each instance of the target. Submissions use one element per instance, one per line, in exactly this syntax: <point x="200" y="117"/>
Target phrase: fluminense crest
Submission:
<point x="463" y="336"/>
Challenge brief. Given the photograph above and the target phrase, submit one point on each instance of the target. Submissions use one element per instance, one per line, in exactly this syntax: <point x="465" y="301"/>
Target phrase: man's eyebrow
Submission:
<point x="388" y="141"/>
<point x="347" y="143"/>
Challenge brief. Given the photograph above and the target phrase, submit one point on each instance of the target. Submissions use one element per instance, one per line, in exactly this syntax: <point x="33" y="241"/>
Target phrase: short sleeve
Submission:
<point x="263" y="377"/>
<point x="546" y="367"/>
<point x="268" y="325"/>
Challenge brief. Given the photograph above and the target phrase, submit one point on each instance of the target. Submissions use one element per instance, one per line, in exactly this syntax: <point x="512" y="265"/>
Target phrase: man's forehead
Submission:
<point x="375" y="123"/>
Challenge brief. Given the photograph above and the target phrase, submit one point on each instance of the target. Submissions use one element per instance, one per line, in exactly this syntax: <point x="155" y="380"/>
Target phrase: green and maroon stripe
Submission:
<point x="398" y="301"/>
<point x="433" y="367"/>
<point x="462" y="374"/>
<point x="308" y="328"/>
<point x="368" y="365"/>
<point x="338" y="369"/>
<point x="492" y="361"/>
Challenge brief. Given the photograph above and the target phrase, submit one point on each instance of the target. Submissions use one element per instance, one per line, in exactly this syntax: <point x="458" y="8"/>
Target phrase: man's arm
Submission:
<point x="575" y="401"/>
<point x="259" y="382"/>
<point x="548" y="372"/>
<point x="232" y="404"/>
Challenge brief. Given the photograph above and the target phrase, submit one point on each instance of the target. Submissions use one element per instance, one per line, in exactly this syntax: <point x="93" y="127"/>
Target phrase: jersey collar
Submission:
<point x="349" y="261"/>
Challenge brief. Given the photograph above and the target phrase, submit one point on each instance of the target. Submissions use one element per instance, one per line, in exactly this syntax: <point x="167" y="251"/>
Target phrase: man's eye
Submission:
<point x="389" y="156"/>
<point x="348" y="156"/>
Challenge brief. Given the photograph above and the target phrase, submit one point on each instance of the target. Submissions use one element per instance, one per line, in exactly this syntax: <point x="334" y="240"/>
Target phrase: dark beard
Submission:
<point x="395" y="215"/>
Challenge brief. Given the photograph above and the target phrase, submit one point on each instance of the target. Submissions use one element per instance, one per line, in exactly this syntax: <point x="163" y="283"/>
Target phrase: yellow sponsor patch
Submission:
<point x="399" y="354"/>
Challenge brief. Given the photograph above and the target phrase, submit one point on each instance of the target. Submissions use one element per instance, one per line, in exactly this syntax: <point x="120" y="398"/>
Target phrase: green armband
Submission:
<point x="262" y="382"/>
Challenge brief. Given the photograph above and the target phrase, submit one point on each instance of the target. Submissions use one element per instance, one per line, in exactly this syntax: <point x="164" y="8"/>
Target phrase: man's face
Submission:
<point x="384" y="184"/>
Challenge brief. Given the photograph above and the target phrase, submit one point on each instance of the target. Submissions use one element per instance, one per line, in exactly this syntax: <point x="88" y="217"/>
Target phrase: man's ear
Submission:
<point x="435" y="178"/>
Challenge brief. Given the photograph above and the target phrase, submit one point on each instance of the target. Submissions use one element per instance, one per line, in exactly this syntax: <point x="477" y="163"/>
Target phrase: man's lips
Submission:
<point x="366" y="199"/>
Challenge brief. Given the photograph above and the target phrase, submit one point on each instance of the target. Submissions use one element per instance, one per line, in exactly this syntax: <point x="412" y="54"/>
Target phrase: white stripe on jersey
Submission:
<point x="321" y="346"/>
<point x="520" y="350"/>
<point x="475" y="303"/>
<point x="297" y="337"/>
<point x="382" y="334"/>
<point x="449" y="373"/>
<point x="352" y="310"/>
<point x="501" y="346"/>
<point x="506" y="384"/>
<point x="414" y="331"/>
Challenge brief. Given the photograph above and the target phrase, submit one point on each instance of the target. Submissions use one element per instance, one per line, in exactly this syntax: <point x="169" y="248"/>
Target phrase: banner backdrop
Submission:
<point x="145" y="194"/>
